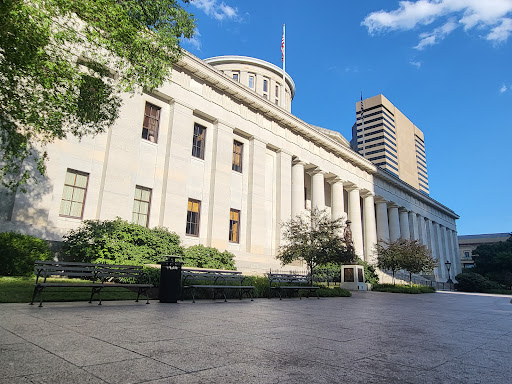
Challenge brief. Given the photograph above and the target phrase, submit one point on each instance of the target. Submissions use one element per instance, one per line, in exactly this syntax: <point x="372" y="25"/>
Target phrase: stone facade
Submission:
<point x="284" y="166"/>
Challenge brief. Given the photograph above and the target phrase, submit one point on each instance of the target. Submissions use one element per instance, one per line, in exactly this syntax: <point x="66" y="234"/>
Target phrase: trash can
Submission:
<point x="170" y="280"/>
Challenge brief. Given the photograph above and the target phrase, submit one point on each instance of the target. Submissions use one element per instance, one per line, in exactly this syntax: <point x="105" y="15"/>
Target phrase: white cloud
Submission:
<point x="503" y="88"/>
<point x="195" y="41"/>
<point x="219" y="11"/>
<point x="493" y="16"/>
<point x="438" y="34"/>
<point x="416" y="64"/>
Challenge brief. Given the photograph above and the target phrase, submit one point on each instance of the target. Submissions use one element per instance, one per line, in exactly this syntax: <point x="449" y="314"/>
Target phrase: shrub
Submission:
<point x="334" y="292"/>
<point x="474" y="282"/>
<point x="18" y="253"/>
<point x="119" y="242"/>
<point x="415" y="289"/>
<point x="205" y="257"/>
<point x="370" y="275"/>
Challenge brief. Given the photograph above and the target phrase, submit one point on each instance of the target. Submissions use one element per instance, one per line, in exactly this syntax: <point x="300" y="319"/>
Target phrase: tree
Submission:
<point x="494" y="261"/>
<point x="404" y="254"/>
<point x="315" y="238"/>
<point x="64" y="64"/>
<point x="119" y="242"/>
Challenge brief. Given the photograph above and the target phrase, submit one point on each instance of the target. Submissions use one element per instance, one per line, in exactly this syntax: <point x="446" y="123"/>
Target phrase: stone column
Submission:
<point x="456" y="251"/>
<point x="404" y="223"/>
<point x="394" y="223"/>
<point x="283" y="192"/>
<point x="382" y="219"/>
<point x="441" y="253"/>
<point x="297" y="188"/>
<point x="317" y="183"/>
<point x="413" y="225"/>
<point x="431" y="244"/>
<point x="354" y="215"/>
<point x="338" y="203"/>
<point x="370" y="227"/>
<point x="218" y="202"/>
<point x="256" y="197"/>
<point x="448" y="251"/>
<point x="422" y="230"/>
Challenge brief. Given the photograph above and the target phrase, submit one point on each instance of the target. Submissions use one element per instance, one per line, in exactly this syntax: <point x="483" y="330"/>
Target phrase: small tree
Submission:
<point x="404" y="254"/>
<point x="315" y="238"/>
<point x="416" y="258"/>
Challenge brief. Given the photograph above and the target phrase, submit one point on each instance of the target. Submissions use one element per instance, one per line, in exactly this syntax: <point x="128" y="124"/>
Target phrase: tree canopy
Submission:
<point x="494" y="261"/>
<point x="404" y="254"/>
<point x="315" y="238"/>
<point x="64" y="64"/>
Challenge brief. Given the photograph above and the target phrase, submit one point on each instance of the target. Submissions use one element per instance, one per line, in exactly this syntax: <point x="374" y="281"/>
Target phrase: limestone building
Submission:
<point x="386" y="137"/>
<point x="216" y="156"/>
<point x="468" y="243"/>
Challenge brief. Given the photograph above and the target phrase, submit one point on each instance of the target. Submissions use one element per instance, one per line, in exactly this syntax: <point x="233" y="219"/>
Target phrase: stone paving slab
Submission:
<point x="371" y="337"/>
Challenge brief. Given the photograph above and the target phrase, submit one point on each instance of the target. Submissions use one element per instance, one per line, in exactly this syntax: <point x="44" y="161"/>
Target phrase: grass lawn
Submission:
<point x="20" y="290"/>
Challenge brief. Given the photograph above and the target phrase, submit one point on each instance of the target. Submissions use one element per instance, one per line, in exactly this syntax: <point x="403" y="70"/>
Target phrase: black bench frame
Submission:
<point x="219" y="282"/>
<point x="290" y="281"/>
<point x="100" y="275"/>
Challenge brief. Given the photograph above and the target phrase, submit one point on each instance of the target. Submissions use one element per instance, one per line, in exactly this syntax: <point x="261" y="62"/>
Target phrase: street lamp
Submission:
<point x="448" y="265"/>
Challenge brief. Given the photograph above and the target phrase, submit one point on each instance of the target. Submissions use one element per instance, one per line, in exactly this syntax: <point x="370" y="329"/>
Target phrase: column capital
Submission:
<point x="403" y="209"/>
<point x="334" y="180"/>
<point x="350" y="186"/>
<point x="316" y="171"/>
<point x="284" y="152"/>
<point x="379" y="199"/>
<point x="366" y="193"/>
<point x="298" y="162"/>
<point x="392" y="204"/>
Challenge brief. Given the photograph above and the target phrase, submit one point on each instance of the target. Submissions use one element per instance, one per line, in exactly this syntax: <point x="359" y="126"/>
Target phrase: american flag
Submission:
<point x="282" y="46"/>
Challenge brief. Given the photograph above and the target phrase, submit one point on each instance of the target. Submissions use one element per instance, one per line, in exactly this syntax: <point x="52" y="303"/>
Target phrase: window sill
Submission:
<point x="155" y="144"/>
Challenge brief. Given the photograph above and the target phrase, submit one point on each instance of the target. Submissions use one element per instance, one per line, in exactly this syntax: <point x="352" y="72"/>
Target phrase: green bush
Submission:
<point x="200" y="256"/>
<point x="370" y="275"/>
<point x="119" y="242"/>
<point x="18" y="253"/>
<point x="402" y="288"/>
<point x="474" y="282"/>
<point x="334" y="292"/>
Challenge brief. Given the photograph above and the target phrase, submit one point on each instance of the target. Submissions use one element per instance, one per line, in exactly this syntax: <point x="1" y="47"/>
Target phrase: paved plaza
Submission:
<point x="371" y="337"/>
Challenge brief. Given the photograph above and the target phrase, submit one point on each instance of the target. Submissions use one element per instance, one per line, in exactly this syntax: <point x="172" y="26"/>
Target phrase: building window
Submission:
<point x="198" y="142"/>
<point x="467" y="255"/>
<point x="73" y="196"/>
<point x="237" y="156"/>
<point x="234" y="226"/>
<point x="236" y="76"/>
<point x="151" y="123"/>
<point x="265" y="85"/>
<point x="277" y="91"/>
<point x="251" y="81"/>
<point x="194" y="207"/>
<point x="141" y="202"/>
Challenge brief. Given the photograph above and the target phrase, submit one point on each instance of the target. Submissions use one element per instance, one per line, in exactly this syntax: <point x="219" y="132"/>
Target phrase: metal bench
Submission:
<point x="289" y="282"/>
<point x="100" y="276"/>
<point x="217" y="281"/>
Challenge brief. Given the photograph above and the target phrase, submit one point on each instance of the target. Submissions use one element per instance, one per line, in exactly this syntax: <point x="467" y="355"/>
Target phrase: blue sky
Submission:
<point x="446" y="64"/>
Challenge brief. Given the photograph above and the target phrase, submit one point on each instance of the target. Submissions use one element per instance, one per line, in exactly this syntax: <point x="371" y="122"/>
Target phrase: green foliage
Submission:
<point x="494" y="261"/>
<point x="119" y="242"/>
<point x="370" y="275"/>
<point x="330" y="272"/>
<point x="64" y="64"/>
<point x="474" y="282"/>
<point x="404" y="254"/>
<point x="18" y="253"/>
<point x="316" y="239"/>
<point x="334" y="292"/>
<point x="205" y="257"/>
<point x="402" y="288"/>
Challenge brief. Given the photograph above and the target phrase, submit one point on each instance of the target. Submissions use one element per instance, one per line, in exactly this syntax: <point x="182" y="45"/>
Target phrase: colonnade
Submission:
<point x="374" y="218"/>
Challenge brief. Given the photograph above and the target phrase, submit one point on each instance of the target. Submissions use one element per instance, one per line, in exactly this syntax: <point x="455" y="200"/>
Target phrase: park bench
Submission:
<point x="290" y="282"/>
<point x="100" y="276"/>
<point x="216" y="281"/>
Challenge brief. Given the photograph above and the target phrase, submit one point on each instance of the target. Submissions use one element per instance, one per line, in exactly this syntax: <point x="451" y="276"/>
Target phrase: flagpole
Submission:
<point x="362" y="125"/>
<point x="283" y="47"/>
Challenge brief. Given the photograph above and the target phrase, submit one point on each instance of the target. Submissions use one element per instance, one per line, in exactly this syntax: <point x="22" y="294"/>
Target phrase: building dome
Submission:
<point x="264" y="78"/>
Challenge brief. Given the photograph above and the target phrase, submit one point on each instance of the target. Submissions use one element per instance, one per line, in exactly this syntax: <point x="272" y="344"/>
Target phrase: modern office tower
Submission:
<point x="386" y="137"/>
